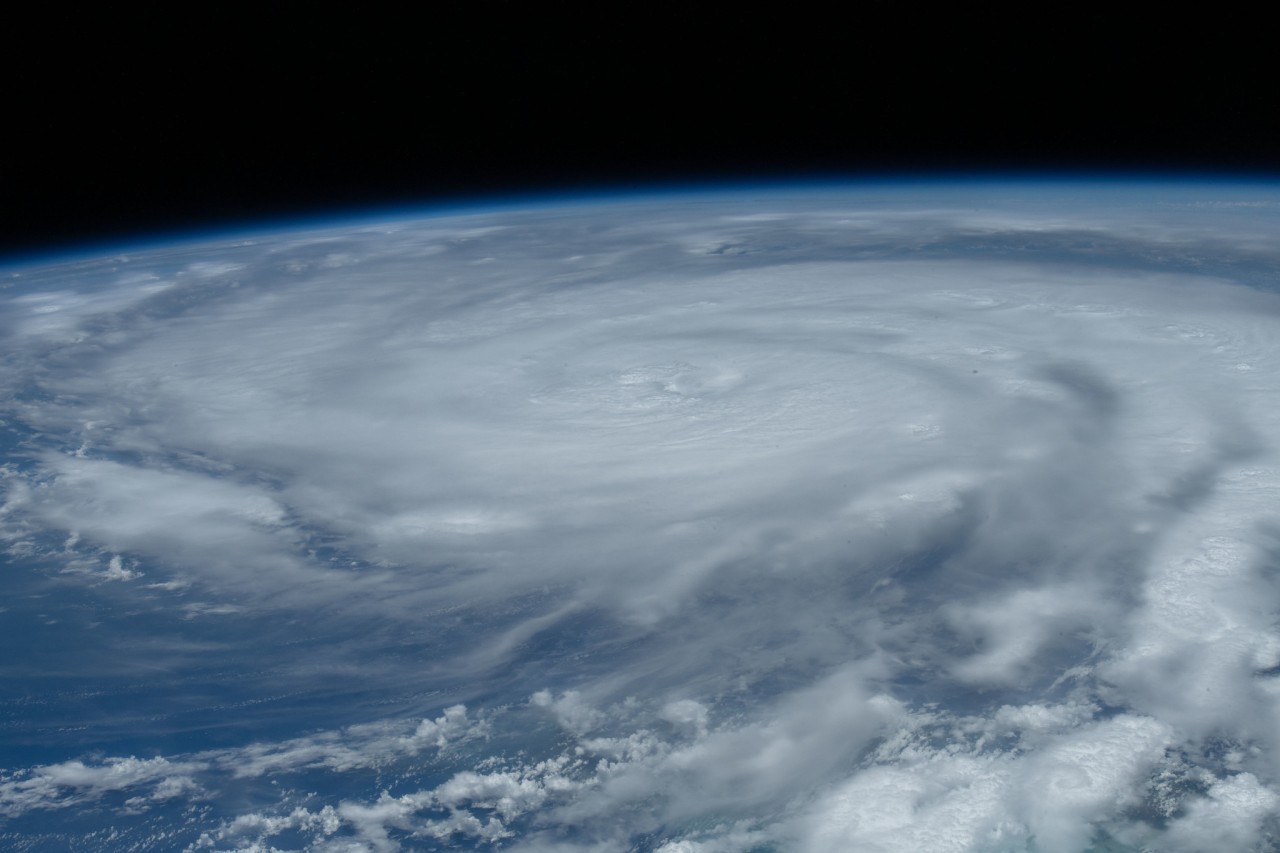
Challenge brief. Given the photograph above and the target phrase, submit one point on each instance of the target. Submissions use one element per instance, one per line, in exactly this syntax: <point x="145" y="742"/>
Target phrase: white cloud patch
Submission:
<point x="937" y="522"/>
<point x="1231" y="815"/>
<point x="366" y="745"/>
<point x="59" y="786"/>
<point x="116" y="570"/>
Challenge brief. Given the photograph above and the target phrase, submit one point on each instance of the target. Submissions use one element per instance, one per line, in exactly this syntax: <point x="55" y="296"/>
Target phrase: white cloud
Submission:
<point x="1087" y="776"/>
<point x="58" y="786"/>
<point x="1013" y="630"/>
<point x="361" y="746"/>
<point x="117" y="572"/>
<point x="1231" y="815"/>
<point x="944" y="803"/>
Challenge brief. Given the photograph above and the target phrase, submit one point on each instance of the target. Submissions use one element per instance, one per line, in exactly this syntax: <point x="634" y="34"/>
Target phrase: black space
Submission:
<point x="122" y="132"/>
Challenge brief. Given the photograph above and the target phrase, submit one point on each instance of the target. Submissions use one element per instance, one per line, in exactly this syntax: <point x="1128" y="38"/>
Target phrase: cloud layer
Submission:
<point x="935" y="519"/>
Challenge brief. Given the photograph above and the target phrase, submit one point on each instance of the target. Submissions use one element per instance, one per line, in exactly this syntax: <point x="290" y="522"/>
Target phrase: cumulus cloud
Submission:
<point x="937" y="521"/>
<point x="1232" y="814"/>
<point x="58" y="786"/>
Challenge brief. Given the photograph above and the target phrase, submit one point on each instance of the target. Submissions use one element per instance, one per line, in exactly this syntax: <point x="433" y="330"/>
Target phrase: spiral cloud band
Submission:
<point x="880" y="519"/>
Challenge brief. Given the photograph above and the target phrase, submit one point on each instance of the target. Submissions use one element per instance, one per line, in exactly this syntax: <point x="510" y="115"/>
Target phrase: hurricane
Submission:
<point x="870" y="517"/>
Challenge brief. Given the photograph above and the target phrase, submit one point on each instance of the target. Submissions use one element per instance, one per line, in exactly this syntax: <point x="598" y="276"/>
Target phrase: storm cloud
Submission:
<point x="865" y="520"/>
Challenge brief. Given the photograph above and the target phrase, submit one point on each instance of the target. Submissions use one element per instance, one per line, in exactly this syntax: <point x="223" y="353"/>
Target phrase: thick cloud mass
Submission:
<point x="920" y="518"/>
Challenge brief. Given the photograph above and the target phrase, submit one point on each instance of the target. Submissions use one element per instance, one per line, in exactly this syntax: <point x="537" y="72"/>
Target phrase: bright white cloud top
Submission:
<point x="877" y="519"/>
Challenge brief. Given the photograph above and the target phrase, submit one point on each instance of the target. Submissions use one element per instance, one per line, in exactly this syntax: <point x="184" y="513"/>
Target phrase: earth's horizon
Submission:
<point x="894" y="515"/>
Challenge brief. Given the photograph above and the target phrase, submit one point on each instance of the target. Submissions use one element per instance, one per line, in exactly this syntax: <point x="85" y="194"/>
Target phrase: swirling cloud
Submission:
<point x="941" y="520"/>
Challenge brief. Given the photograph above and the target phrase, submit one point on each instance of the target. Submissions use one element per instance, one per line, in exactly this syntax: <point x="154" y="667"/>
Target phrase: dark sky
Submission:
<point x="123" y="134"/>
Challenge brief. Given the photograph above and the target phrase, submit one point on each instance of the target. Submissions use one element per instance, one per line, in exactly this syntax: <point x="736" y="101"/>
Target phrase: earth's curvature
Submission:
<point x="908" y="517"/>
